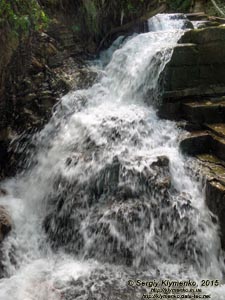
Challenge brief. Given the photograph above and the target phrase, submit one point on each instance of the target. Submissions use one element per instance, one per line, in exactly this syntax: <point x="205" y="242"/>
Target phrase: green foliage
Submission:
<point x="92" y="15"/>
<point x="212" y="11"/>
<point x="21" y="16"/>
<point x="131" y="6"/>
<point x="76" y="28"/>
<point x="179" y="5"/>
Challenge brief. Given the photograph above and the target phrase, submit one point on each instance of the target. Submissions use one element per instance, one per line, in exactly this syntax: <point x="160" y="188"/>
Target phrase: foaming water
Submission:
<point x="162" y="22"/>
<point x="108" y="197"/>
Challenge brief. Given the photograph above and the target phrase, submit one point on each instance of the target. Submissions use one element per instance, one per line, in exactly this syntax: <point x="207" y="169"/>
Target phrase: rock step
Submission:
<point x="213" y="170"/>
<point x="217" y="19"/>
<point x="218" y="147"/>
<point x="203" y="142"/>
<point x="201" y="16"/>
<point x="215" y="200"/>
<point x="218" y="129"/>
<point x="197" y="16"/>
<point x="213" y="160"/>
<point x="209" y="111"/>
<point x="195" y="143"/>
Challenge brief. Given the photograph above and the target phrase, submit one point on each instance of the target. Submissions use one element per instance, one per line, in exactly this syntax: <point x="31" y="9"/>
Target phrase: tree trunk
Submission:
<point x="198" y="6"/>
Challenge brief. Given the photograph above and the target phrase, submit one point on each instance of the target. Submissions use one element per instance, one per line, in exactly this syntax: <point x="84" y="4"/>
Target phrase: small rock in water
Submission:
<point x="162" y="161"/>
<point x="3" y="192"/>
<point x="5" y="223"/>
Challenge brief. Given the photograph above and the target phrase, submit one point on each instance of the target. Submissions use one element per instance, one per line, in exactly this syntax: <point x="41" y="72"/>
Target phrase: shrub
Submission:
<point x="22" y="16"/>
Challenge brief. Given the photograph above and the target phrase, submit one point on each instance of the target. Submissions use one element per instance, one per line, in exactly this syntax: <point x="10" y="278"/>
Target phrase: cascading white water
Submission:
<point x="108" y="197"/>
<point x="162" y="22"/>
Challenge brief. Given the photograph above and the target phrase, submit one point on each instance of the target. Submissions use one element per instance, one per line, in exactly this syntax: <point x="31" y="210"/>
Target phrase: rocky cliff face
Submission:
<point x="32" y="86"/>
<point x="194" y="96"/>
<point x="37" y="69"/>
<point x="197" y="67"/>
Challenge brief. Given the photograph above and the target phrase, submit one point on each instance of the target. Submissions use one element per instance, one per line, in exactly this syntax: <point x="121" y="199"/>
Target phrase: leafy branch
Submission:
<point x="21" y="16"/>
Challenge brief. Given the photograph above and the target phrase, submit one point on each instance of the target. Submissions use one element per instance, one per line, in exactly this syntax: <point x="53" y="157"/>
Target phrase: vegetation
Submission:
<point x="180" y="5"/>
<point x="216" y="8"/>
<point x="21" y="16"/>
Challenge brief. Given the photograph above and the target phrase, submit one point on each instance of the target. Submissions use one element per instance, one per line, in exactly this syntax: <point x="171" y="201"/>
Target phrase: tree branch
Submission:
<point x="217" y="8"/>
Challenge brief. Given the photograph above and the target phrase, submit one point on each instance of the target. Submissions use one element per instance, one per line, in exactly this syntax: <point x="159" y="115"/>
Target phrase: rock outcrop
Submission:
<point x="208" y="146"/>
<point x="41" y="70"/>
<point x="38" y="68"/>
<point x="194" y="96"/>
<point x="197" y="67"/>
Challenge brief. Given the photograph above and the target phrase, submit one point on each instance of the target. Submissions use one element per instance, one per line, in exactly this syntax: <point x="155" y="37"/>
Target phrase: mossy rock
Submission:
<point x="181" y="77"/>
<point x="184" y="54"/>
<point x="213" y="53"/>
<point x="204" y="36"/>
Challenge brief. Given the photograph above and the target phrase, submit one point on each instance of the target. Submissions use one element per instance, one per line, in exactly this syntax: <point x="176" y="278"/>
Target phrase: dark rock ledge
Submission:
<point x="195" y="97"/>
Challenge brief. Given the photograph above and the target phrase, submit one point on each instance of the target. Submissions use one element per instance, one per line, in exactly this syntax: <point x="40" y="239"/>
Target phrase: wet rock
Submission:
<point x="188" y="126"/>
<point x="197" y="143"/>
<point x="204" y="36"/>
<point x="197" y="16"/>
<point x="36" y="66"/>
<point x="212" y="169"/>
<point x="217" y="128"/>
<point x="212" y="53"/>
<point x="102" y="283"/>
<point x="197" y="91"/>
<point x="181" y="77"/>
<point x="34" y="83"/>
<point x="204" y="112"/>
<point x="3" y="192"/>
<point x="217" y="19"/>
<point x="197" y="64"/>
<point x="123" y="203"/>
<point x="215" y="199"/>
<point x="162" y="161"/>
<point x="61" y="84"/>
<point x="218" y="147"/>
<point x="205" y="24"/>
<point x="170" y="110"/>
<point x="185" y="54"/>
<point x="3" y="157"/>
<point x="5" y="223"/>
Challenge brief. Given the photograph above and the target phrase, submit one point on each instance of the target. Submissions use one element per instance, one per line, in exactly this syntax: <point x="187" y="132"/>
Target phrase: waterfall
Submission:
<point x="107" y="196"/>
